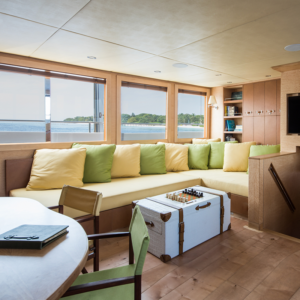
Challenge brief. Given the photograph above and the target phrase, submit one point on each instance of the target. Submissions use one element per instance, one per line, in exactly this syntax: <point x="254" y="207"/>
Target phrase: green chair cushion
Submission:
<point x="198" y="156"/>
<point x="256" y="150"/>
<point x="216" y="156"/>
<point x="153" y="159"/>
<point x="98" y="162"/>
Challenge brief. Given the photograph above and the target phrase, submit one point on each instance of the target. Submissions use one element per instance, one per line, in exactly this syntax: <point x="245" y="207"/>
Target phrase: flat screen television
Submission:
<point x="293" y="115"/>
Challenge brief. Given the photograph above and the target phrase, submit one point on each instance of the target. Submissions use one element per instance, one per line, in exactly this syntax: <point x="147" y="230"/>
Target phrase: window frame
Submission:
<point x="169" y="108"/>
<point x="206" y="112"/>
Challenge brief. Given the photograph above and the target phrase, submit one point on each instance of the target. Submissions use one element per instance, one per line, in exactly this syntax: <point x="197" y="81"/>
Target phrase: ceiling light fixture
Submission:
<point x="179" y="65"/>
<point x="268" y="75"/>
<point x="157" y="71"/>
<point x="229" y="82"/>
<point x="293" y="47"/>
<point x="218" y="74"/>
<point x="92" y="57"/>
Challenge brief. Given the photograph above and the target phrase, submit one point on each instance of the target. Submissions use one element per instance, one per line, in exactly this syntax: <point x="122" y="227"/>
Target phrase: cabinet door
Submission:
<point x="248" y="129"/>
<point x="270" y="130"/>
<point x="248" y="100"/>
<point x="259" y="99"/>
<point x="259" y="130"/>
<point x="278" y="130"/>
<point x="270" y="97"/>
<point x="278" y="97"/>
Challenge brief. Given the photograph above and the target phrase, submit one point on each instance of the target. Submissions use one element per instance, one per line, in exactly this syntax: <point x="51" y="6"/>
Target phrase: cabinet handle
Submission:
<point x="248" y="112"/>
<point x="149" y="223"/>
<point x="270" y="111"/>
<point x="203" y="206"/>
<point x="259" y="112"/>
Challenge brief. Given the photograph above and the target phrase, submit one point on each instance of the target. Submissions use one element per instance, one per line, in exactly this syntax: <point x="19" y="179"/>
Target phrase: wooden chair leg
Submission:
<point x="138" y="287"/>
<point x="96" y="244"/>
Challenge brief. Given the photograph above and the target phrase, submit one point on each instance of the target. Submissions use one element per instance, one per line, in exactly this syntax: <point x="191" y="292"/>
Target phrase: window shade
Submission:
<point x="191" y="92"/>
<point x="144" y="86"/>
<point x="51" y="74"/>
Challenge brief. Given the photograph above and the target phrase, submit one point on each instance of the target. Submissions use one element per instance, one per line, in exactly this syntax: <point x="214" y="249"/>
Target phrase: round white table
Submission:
<point x="39" y="274"/>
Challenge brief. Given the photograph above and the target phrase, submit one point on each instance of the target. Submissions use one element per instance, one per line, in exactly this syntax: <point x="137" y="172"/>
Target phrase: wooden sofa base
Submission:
<point x="239" y="205"/>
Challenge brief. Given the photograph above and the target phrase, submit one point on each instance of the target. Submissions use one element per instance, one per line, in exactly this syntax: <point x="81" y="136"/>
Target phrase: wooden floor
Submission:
<point x="239" y="264"/>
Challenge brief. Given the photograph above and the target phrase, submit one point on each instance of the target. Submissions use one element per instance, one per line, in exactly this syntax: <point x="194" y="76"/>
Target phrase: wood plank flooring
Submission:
<point x="238" y="264"/>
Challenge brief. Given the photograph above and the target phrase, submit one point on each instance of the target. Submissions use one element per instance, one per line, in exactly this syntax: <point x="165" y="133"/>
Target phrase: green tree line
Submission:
<point x="79" y="119"/>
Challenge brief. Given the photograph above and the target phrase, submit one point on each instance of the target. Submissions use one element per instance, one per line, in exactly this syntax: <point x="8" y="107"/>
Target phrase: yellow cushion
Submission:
<point x="119" y="192"/>
<point x="176" y="157"/>
<point x="53" y="168"/>
<point x="126" y="161"/>
<point x="236" y="156"/>
<point x="205" y="141"/>
<point x="234" y="182"/>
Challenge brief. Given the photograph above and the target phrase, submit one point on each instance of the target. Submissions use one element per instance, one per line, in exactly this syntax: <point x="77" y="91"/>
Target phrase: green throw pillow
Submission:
<point x="98" y="162"/>
<point x="216" y="156"/>
<point x="256" y="150"/>
<point x="153" y="159"/>
<point x="198" y="156"/>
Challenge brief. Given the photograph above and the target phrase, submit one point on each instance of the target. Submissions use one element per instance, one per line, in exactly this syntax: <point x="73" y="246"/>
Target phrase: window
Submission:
<point x="39" y="106"/>
<point x="191" y="112"/>
<point x="143" y="112"/>
<point x="22" y="108"/>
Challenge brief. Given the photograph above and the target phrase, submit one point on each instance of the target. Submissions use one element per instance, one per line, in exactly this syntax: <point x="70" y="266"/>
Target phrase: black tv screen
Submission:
<point x="293" y="114"/>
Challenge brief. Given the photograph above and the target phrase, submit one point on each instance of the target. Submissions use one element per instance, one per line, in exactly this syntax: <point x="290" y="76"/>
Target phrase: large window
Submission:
<point x="50" y="106"/>
<point x="143" y="112"/>
<point x="191" y="112"/>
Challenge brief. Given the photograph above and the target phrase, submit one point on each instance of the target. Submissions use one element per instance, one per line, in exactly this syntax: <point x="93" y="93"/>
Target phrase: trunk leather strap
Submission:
<point x="181" y="223"/>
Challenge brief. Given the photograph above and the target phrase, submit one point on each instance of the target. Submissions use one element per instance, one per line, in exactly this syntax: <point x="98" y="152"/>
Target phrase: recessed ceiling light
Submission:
<point x="293" y="47"/>
<point x="157" y="71"/>
<point x="218" y="74"/>
<point x="229" y="82"/>
<point x="179" y="65"/>
<point x="268" y="75"/>
<point x="92" y="57"/>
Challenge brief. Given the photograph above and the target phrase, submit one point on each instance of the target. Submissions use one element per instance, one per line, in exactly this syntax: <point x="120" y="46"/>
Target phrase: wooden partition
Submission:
<point x="268" y="207"/>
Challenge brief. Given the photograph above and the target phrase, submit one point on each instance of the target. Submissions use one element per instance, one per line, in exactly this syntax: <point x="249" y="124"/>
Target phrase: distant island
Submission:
<point x="79" y="119"/>
<point x="159" y="119"/>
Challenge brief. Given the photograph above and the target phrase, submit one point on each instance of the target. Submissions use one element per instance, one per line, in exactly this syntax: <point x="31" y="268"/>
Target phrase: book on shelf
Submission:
<point x="229" y="125"/>
<point x="238" y="128"/>
<point x="235" y="96"/>
<point x="231" y="111"/>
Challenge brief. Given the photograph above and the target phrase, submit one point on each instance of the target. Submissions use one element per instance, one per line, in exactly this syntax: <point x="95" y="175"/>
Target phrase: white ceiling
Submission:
<point x="239" y="39"/>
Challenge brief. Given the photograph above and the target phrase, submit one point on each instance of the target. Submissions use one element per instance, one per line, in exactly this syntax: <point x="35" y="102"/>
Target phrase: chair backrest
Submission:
<point x="140" y="239"/>
<point x="81" y="199"/>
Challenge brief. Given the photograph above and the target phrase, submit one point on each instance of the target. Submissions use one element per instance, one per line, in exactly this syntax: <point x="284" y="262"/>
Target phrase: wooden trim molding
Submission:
<point x="207" y="117"/>
<point x="287" y="67"/>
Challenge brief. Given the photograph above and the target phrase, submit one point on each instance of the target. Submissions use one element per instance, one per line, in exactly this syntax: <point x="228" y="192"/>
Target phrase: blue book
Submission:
<point x="230" y="125"/>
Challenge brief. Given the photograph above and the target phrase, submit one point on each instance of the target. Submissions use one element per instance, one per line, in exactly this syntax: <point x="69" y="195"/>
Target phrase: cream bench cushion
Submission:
<point x="234" y="182"/>
<point x="119" y="192"/>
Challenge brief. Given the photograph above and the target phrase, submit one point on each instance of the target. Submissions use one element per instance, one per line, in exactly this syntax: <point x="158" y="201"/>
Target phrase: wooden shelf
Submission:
<point x="233" y="117"/>
<point x="233" y="101"/>
<point x="234" y="132"/>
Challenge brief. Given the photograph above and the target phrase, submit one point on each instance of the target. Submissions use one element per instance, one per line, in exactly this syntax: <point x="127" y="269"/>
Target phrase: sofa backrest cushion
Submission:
<point x="198" y="156"/>
<point x="205" y="141"/>
<point x="126" y="161"/>
<point x="54" y="168"/>
<point x="153" y="159"/>
<point x="98" y="162"/>
<point x="216" y="155"/>
<point x="236" y="157"/>
<point x="176" y="157"/>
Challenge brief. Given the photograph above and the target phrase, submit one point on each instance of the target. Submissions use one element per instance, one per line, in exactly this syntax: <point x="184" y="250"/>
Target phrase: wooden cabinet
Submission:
<point x="270" y="97"/>
<point x="248" y="100"/>
<point x="259" y="99"/>
<point x="278" y="96"/>
<point x="248" y="129"/>
<point x="259" y="130"/>
<point x="277" y="130"/>
<point x="270" y="130"/>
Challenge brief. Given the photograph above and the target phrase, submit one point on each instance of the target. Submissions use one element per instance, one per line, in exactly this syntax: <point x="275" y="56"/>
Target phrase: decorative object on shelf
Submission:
<point x="230" y="125"/>
<point x="212" y="102"/>
<point x="228" y="137"/>
<point x="235" y="96"/>
<point x="232" y="139"/>
<point x="238" y="128"/>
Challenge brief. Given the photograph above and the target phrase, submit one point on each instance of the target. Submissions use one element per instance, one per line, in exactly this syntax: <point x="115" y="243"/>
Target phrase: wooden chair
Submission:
<point x="118" y="283"/>
<point x="89" y="202"/>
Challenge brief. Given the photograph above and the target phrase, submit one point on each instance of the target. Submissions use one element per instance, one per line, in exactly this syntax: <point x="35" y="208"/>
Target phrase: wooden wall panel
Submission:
<point x="259" y="130"/>
<point x="248" y="129"/>
<point x="259" y="98"/>
<point x="270" y="97"/>
<point x="217" y="124"/>
<point x="248" y="100"/>
<point x="278" y="95"/>
<point x="270" y="130"/>
<point x="277" y="130"/>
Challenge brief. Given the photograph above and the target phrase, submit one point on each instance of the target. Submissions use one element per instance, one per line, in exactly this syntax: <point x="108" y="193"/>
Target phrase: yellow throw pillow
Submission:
<point x="126" y="161"/>
<point x="53" y="168"/>
<point x="176" y="157"/>
<point x="236" y="156"/>
<point x="205" y="141"/>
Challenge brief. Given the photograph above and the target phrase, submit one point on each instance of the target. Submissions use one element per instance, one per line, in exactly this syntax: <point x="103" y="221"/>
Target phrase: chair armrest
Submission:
<point x="84" y="218"/>
<point x="53" y="207"/>
<point x="97" y="285"/>
<point x="107" y="235"/>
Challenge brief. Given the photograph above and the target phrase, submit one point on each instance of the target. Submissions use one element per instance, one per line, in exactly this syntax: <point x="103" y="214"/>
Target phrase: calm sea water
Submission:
<point x="81" y="127"/>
